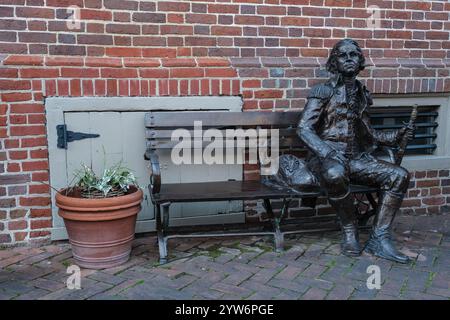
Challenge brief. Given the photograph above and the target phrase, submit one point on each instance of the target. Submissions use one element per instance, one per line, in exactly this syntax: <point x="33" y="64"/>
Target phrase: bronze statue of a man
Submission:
<point x="335" y="127"/>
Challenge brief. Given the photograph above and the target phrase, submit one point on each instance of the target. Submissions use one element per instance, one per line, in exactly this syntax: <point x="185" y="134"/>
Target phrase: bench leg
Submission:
<point x="268" y="206"/>
<point x="278" y="235"/>
<point x="279" y="240"/>
<point x="162" y="222"/>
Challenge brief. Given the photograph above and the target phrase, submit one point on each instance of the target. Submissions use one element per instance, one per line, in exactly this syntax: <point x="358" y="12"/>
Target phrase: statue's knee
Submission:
<point x="401" y="180"/>
<point x="336" y="180"/>
<point x="335" y="175"/>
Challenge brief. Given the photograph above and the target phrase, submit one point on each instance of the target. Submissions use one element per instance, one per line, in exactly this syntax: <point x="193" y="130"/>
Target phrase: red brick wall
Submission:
<point x="268" y="51"/>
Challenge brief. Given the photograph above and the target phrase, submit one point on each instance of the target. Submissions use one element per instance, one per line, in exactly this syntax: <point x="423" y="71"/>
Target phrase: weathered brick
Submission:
<point x="6" y="179"/>
<point x="5" y="238"/>
<point x="39" y="234"/>
<point x="123" y="29"/>
<point x="18" y="213"/>
<point x="123" y="52"/>
<point x="39" y="37"/>
<point x="27" y="130"/>
<point x="17" y="190"/>
<point x="427" y="183"/>
<point x="34" y="201"/>
<point x="41" y="224"/>
<point x="433" y="201"/>
<point x="35" y="12"/>
<point x="17" y="225"/>
<point x="95" y="39"/>
<point x="121" y="4"/>
<point x="40" y="213"/>
<point x="67" y="50"/>
<point x="201" y="18"/>
<point x="88" y="14"/>
<point x="148" y="17"/>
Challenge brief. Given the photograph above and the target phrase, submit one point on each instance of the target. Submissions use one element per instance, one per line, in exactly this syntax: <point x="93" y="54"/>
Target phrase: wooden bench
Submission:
<point x="159" y="128"/>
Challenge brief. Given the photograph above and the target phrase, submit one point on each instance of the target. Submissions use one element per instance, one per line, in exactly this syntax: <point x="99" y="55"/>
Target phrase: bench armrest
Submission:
<point x="155" y="176"/>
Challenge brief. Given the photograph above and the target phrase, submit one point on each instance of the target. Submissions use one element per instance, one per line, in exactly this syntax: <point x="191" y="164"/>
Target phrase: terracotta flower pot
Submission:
<point x="100" y="231"/>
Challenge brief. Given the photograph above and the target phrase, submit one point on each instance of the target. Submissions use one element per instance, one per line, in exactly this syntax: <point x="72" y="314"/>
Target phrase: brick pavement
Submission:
<point x="241" y="268"/>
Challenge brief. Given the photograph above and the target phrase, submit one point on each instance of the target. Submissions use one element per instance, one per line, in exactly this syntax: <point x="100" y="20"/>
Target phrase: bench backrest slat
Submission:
<point x="153" y="133"/>
<point x="220" y="119"/>
<point x="284" y="142"/>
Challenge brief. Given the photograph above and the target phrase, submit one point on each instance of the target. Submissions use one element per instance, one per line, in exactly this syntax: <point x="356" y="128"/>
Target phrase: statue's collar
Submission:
<point x="335" y="80"/>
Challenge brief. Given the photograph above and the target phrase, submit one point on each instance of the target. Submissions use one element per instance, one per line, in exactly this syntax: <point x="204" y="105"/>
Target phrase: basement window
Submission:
<point x="430" y="148"/>
<point x="424" y="142"/>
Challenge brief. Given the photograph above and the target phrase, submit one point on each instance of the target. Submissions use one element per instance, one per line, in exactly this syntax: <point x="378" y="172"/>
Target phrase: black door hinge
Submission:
<point x="64" y="136"/>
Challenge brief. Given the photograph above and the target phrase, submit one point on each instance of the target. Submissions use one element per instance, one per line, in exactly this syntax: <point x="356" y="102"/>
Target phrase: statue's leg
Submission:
<point x="335" y="178"/>
<point x="393" y="181"/>
<point x="380" y="243"/>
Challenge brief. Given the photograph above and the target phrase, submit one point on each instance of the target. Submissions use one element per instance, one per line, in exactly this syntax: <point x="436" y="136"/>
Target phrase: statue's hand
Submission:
<point x="335" y="155"/>
<point x="407" y="131"/>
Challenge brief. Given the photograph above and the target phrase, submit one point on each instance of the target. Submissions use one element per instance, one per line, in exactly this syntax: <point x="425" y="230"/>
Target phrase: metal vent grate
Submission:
<point x="389" y="118"/>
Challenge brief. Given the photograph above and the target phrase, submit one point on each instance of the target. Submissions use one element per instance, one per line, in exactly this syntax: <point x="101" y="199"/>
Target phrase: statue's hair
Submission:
<point x="332" y="59"/>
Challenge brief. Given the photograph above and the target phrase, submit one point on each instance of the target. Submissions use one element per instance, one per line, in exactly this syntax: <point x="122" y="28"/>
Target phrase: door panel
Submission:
<point x="108" y="148"/>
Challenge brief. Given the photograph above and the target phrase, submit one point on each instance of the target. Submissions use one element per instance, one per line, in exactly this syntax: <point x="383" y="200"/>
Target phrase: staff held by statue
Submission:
<point x="406" y="137"/>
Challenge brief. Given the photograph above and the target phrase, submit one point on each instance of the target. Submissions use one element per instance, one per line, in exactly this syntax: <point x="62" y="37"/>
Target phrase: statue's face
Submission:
<point x="348" y="60"/>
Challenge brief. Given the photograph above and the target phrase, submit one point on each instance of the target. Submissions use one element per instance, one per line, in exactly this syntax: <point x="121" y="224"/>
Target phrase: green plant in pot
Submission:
<point x="100" y="213"/>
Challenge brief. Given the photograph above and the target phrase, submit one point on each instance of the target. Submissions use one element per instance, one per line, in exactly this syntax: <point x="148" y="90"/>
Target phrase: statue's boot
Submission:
<point x="380" y="243"/>
<point x="345" y="209"/>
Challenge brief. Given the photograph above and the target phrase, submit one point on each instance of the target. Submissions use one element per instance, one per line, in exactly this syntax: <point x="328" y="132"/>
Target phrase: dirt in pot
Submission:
<point x="77" y="192"/>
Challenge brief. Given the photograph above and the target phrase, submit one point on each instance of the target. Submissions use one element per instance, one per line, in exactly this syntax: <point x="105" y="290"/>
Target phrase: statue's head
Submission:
<point x="346" y="58"/>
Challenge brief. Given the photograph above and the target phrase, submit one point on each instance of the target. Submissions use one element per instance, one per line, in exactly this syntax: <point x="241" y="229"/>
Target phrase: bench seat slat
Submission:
<point x="231" y="190"/>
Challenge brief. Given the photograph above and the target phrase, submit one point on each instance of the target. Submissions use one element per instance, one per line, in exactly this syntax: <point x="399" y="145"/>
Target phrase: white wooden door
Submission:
<point x="122" y="139"/>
